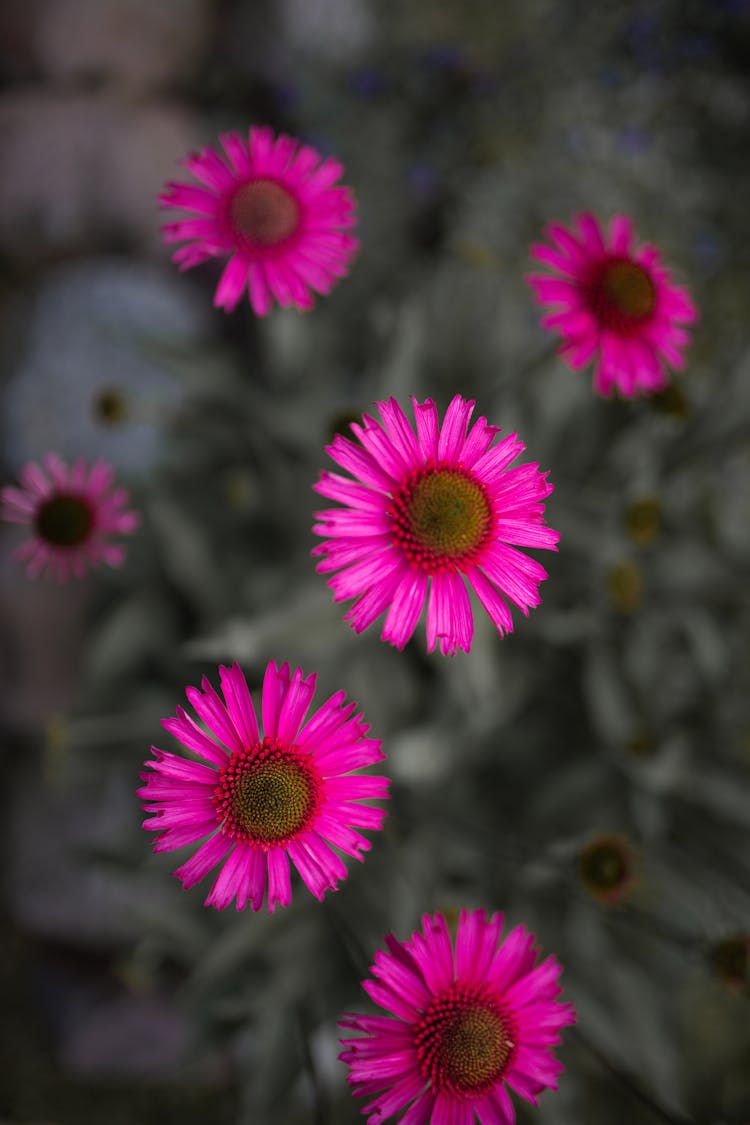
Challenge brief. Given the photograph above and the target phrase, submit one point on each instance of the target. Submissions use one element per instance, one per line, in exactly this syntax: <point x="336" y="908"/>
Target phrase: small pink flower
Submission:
<point x="72" y="511"/>
<point x="426" y="512"/>
<point x="274" y="208"/>
<point x="464" y="1025"/>
<point x="258" y="801"/>
<point x="614" y="303"/>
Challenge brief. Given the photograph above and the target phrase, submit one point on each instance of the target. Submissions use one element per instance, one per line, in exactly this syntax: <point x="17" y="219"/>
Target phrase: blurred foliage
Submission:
<point x="619" y="708"/>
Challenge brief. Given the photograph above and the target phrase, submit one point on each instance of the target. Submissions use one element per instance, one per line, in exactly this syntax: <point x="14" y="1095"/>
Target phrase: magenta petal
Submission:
<point x="206" y="858"/>
<point x="279" y="884"/>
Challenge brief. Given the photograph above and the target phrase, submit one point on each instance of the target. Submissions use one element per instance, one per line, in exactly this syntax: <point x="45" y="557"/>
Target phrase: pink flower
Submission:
<point x="614" y="304"/>
<point x="272" y="207"/>
<point x="258" y="801"/>
<point x="464" y="1025"/>
<point x="72" y="511"/>
<point x="423" y="513"/>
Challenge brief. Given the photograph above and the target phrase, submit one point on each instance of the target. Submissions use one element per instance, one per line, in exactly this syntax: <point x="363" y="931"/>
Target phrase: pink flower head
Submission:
<point x="72" y="511"/>
<point x="258" y="801"/>
<point x="423" y="513"/>
<point x="463" y="1025"/>
<point x="274" y="208"/>
<point x="614" y="303"/>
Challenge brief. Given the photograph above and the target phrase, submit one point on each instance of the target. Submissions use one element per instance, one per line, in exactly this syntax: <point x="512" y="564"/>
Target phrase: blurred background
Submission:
<point x="588" y="774"/>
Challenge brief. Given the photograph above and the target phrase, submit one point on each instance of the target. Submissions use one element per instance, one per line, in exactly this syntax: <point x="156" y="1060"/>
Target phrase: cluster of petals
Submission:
<point x="614" y="304"/>
<point x="72" y="512"/>
<point x="388" y="563"/>
<point x="464" y="1025"/>
<point x="258" y="801"/>
<point x="275" y="209"/>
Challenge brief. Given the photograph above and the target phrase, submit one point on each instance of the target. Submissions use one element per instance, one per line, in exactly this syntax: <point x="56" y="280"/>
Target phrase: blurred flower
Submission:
<point x="97" y="375"/>
<point x="606" y="866"/>
<point x="625" y="586"/>
<point x="425" y="511"/>
<point x="287" y="795"/>
<point x="731" y="960"/>
<point x="643" y="520"/>
<point x="275" y="210"/>
<point x="467" y="1023"/>
<point x="614" y="303"/>
<point x="72" y="512"/>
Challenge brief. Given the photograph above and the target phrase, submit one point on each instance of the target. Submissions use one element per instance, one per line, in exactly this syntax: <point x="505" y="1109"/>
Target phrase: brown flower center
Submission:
<point x="64" y="521"/>
<point x="264" y="213"/>
<point x="267" y="795"/>
<point x="110" y="407"/>
<point x="463" y="1042"/>
<point x="441" y="519"/>
<point x="621" y="295"/>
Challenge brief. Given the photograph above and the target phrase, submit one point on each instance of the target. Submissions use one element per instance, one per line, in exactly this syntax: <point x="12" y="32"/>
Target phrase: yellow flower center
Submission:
<point x="463" y="1043"/>
<point x="267" y="795"/>
<point x="441" y="518"/>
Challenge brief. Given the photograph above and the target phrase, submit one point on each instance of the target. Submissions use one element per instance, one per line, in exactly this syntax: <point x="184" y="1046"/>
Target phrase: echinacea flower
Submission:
<point x="72" y="512"/>
<point x="275" y="208"/>
<point x="463" y="1025"/>
<point x="613" y="302"/>
<point x="257" y="800"/>
<point x="426" y="512"/>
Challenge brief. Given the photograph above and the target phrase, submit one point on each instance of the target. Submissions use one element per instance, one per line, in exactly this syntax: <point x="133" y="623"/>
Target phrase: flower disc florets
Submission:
<point x="264" y="213"/>
<point x="268" y="795"/>
<point x="64" y="521"/>
<point x="463" y="1042"/>
<point x="621" y="295"/>
<point x="441" y="519"/>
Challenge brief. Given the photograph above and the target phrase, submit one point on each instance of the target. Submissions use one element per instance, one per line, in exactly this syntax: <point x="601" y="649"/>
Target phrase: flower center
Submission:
<point x="110" y="407"/>
<point x="267" y="795"/>
<point x="64" y="521"/>
<point x="441" y="519"/>
<point x="605" y="868"/>
<point x="621" y="295"/>
<point x="463" y="1042"/>
<point x="264" y="213"/>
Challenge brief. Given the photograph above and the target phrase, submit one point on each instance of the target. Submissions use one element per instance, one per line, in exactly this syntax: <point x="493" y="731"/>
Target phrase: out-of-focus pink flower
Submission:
<point x="72" y="511"/>
<point x="275" y="209"/>
<point x="614" y="303"/>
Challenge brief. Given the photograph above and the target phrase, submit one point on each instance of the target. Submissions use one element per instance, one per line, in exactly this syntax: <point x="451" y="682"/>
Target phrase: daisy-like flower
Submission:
<point x="465" y="1025"/>
<point x="274" y="207"/>
<point x="260" y="800"/>
<point x="425" y="512"/>
<point x="614" y="303"/>
<point x="72" y="512"/>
